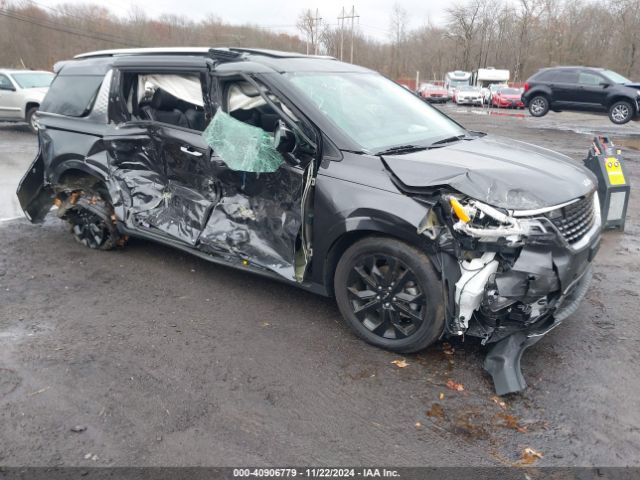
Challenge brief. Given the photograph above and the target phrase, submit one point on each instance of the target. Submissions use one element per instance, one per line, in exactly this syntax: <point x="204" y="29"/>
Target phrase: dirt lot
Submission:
<point x="168" y="360"/>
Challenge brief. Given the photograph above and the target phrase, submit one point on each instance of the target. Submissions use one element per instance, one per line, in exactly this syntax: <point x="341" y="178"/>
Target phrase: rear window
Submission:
<point x="72" y="95"/>
<point x="545" y="76"/>
<point x="565" y="76"/>
<point x="33" y="80"/>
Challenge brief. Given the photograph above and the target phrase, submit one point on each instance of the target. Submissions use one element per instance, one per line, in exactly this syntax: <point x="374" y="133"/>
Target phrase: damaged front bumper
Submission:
<point x="521" y="274"/>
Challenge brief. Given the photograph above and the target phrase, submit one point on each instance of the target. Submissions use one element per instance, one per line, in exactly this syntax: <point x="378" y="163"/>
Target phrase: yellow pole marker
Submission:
<point x="459" y="210"/>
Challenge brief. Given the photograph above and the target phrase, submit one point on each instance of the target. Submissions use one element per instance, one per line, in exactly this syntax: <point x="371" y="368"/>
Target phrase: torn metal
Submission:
<point x="518" y="276"/>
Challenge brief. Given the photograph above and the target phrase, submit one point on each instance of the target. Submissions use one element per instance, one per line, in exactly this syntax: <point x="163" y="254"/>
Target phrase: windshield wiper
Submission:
<point x="401" y="149"/>
<point x="445" y="141"/>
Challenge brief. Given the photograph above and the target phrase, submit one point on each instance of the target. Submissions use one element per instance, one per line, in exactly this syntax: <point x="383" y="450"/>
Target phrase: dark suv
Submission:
<point x="324" y="175"/>
<point x="582" y="89"/>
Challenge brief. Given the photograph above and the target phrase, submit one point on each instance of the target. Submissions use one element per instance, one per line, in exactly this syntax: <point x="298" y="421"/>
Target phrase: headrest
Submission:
<point x="163" y="100"/>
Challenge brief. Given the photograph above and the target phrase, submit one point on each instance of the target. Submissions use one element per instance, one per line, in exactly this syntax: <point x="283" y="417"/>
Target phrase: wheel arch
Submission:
<point x="540" y="90"/>
<point x="616" y="97"/>
<point x="356" y="229"/>
<point x="75" y="169"/>
<point x="29" y="106"/>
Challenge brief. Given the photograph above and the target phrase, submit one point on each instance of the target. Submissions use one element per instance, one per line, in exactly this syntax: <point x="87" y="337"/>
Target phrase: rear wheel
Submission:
<point x="539" y="106"/>
<point x="30" y="118"/>
<point x="389" y="294"/>
<point x="92" y="220"/>
<point x="621" y="112"/>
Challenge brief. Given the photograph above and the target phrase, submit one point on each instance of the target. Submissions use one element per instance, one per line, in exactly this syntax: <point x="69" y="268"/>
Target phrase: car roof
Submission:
<point x="99" y="61"/>
<point x="16" y="70"/>
<point x="570" y="67"/>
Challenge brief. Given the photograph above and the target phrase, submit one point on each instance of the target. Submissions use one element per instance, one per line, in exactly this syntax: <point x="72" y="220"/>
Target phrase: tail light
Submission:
<point x="526" y="86"/>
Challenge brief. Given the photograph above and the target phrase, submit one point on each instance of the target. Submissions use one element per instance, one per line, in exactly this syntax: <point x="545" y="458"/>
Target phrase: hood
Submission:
<point x="499" y="171"/>
<point x="510" y="96"/>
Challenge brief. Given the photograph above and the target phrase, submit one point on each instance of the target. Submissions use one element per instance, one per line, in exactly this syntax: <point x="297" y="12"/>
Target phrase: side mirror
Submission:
<point x="605" y="84"/>
<point x="8" y="88"/>
<point x="284" y="140"/>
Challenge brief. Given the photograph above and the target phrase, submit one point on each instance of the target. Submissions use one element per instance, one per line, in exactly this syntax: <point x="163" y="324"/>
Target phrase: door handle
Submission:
<point x="190" y="151"/>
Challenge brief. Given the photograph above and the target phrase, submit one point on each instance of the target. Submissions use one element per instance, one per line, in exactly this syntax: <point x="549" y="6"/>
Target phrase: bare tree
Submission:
<point x="311" y="27"/>
<point x="398" y="33"/>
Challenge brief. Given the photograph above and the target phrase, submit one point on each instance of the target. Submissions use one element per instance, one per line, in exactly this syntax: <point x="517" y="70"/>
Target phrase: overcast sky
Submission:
<point x="281" y="15"/>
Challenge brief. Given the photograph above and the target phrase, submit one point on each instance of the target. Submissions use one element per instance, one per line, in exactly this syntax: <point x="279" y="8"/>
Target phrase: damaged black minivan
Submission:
<point x="325" y="175"/>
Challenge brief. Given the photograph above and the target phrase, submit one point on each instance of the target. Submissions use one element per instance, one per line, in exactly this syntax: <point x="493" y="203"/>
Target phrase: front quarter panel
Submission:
<point x="357" y="195"/>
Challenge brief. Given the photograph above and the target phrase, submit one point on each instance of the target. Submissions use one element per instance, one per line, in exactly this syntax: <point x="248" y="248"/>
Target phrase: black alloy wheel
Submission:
<point x="89" y="228"/>
<point x="385" y="296"/>
<point x="390" y="294"/>
<point x="92" y="219"/>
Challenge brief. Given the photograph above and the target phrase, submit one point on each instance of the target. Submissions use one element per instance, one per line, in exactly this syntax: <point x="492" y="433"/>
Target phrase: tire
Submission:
<point x="538" y="106"/>
<point x="91" y="219"/>
<point x="30" y="119"/>
<point x="621" y="112"/>
<point x="390" y="295"/>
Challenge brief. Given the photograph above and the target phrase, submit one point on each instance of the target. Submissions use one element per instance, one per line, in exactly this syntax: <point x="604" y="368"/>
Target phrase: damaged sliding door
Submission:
<point x="161" y="160"/>
<point x="264" y="172"/>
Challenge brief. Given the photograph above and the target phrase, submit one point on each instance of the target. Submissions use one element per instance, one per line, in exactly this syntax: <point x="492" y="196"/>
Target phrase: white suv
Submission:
<point x="21" y="92"/>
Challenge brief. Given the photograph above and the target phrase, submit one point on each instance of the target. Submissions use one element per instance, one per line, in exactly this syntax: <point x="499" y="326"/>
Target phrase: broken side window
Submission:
<point x="242" y="147"/>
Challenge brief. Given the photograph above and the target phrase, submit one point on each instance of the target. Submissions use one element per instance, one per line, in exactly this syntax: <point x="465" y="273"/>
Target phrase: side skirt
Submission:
<point x="311" y="287"/>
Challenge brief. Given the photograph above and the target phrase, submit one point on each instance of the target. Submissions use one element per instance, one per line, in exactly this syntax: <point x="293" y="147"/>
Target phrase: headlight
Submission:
<point x="487" y="223"/>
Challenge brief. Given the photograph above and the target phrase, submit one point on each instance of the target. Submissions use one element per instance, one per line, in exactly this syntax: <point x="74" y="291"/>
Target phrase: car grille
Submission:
<point x="574" y="220"/>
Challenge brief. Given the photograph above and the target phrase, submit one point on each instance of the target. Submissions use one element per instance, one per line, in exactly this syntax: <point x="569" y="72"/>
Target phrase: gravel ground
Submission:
<point x="164" y="359"/>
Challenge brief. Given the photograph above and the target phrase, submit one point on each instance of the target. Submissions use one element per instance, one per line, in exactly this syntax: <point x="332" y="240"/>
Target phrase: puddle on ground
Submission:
<point x="632" y="142"/>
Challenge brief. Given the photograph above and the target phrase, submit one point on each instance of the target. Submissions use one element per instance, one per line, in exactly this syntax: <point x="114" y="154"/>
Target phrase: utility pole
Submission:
<point x="352" y="16"/>
<point x="315" y="35"/>
<point x="341" y="20"/>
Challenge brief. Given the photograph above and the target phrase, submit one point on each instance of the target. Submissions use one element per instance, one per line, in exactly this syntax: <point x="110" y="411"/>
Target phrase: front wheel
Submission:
<point x="390" y="295"/>
<point x="621" y="112"/>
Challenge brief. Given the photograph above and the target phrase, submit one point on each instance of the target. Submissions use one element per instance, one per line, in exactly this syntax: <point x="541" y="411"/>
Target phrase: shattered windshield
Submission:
<point x="374" y="111"/>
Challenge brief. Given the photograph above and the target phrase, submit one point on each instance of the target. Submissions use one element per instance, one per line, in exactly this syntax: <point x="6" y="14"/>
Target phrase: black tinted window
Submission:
<point x="565" y="76"/>
<point x="545" y="76"/>
<point x="5" y="82"/>
<point x="587" y="78"/>
<point x="72" y="95"/>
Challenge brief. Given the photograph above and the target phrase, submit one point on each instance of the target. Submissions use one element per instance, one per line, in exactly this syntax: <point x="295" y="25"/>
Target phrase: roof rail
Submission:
<point x="147" y="51"/>
<point x="277" y="53"/>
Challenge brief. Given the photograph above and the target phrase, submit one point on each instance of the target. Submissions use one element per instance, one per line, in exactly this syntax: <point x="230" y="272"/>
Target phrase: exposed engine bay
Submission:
<point x="511" y="276"/>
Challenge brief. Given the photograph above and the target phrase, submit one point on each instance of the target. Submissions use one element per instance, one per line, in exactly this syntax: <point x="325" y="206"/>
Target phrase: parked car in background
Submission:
<point x="468" y="95"/>
<point x="582" y="89"/>
<point x="324" y="175"/>
<point x="433" y="93"/>
<point x="507" y="98"/>
<point x="488" y="92"/>
<point x="455" y="79"/>
<point x="21" y="92"/>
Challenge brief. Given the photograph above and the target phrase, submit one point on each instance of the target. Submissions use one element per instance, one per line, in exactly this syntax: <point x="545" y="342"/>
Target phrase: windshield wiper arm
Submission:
<point x="401" y="149"/>
<point x="447" y="140"/>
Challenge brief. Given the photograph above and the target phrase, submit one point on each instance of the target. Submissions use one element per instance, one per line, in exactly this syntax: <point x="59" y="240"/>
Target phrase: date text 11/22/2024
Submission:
<point x="315" y="472"/>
